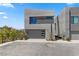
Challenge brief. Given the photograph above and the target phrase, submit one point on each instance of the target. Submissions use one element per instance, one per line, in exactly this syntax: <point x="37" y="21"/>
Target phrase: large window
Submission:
<point x="74" y="19"/>
<point x="41" y="20"/>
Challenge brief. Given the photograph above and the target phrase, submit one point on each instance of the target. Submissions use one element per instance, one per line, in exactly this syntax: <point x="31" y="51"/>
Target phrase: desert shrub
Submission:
<point x="68" y="39"/>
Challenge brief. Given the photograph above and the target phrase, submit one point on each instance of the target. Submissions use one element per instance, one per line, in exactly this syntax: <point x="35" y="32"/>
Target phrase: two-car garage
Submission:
<point x="36" y="33"/>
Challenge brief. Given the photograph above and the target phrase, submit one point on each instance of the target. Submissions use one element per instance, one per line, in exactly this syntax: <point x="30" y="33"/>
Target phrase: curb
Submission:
<point x="3" y="44"/>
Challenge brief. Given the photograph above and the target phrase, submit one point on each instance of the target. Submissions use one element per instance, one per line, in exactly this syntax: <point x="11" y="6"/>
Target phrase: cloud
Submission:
<point x="7" y="5"/>
<point x="5" y="17"/>
<point x="70" y="3"/>
<point x="2" y="13"/>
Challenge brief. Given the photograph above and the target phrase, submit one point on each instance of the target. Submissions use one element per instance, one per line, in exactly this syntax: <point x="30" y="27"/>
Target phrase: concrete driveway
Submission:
<point x="24" y="48"/>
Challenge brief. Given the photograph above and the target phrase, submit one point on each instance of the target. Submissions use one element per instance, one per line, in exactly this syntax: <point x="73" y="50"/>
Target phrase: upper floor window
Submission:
<point x="74" y="19"/>
<point x="41" y="20"/>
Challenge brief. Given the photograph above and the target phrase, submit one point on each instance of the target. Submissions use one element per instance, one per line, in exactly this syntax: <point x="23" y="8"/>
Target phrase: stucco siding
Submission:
<point x="62" y="24"/>
<point x="30" y="12"/>
<point x="75" y="36"/>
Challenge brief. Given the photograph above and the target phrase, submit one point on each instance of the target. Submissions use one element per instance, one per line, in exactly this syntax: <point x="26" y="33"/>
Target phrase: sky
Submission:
<point x="12" y="14"/>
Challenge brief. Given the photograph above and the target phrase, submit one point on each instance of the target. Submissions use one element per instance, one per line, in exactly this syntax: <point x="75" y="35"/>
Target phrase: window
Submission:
<point x="33" y="20"/>
<point x="74" y="19"/>
<point x="41" y="20"/>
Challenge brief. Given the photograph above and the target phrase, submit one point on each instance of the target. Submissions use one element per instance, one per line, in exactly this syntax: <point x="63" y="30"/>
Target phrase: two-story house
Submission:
<point x="39" y="24"/>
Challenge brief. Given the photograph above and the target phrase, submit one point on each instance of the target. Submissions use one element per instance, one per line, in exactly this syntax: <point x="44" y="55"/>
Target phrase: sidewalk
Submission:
<point x="45" y="41"/>
<point x="40" y="41"/>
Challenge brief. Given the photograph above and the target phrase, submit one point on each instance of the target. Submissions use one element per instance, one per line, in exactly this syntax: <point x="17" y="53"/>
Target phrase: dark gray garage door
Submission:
<point x="36" y="34"/>
<point x="75" y="35"/>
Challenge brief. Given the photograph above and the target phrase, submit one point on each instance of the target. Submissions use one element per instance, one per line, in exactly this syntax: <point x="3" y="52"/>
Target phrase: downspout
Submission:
<point x="58" y="29"/>
<point x="52" y="38"/>
<point x="51" y="31"/>
<point x="69" y="24"/>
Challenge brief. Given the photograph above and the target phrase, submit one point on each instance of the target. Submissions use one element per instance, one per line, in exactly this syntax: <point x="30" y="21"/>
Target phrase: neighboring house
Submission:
<point x="39" y="24"/>
<point x="69" y="23"/>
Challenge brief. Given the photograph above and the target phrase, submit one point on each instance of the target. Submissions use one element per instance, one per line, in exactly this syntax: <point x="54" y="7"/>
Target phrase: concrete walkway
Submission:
<point x="40" y="41"/>
<point x="45" y="41"/>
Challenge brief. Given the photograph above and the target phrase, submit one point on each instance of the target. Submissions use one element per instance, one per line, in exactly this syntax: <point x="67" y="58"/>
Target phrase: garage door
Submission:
<point x="75" y="35"/>
<point x="36" y="34"/>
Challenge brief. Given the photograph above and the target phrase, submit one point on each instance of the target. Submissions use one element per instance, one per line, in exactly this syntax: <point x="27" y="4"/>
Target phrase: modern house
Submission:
<point x="45" y="25"/>
<point x="40" y="24"/>
<point x="69" y="23"/>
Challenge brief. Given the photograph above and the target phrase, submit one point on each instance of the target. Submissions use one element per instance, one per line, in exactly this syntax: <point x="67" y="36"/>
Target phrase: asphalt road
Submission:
<point x="40" y="49"/>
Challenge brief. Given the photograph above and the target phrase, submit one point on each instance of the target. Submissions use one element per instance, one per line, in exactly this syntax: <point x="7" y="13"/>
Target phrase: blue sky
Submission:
<point x="12" y="14"/>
